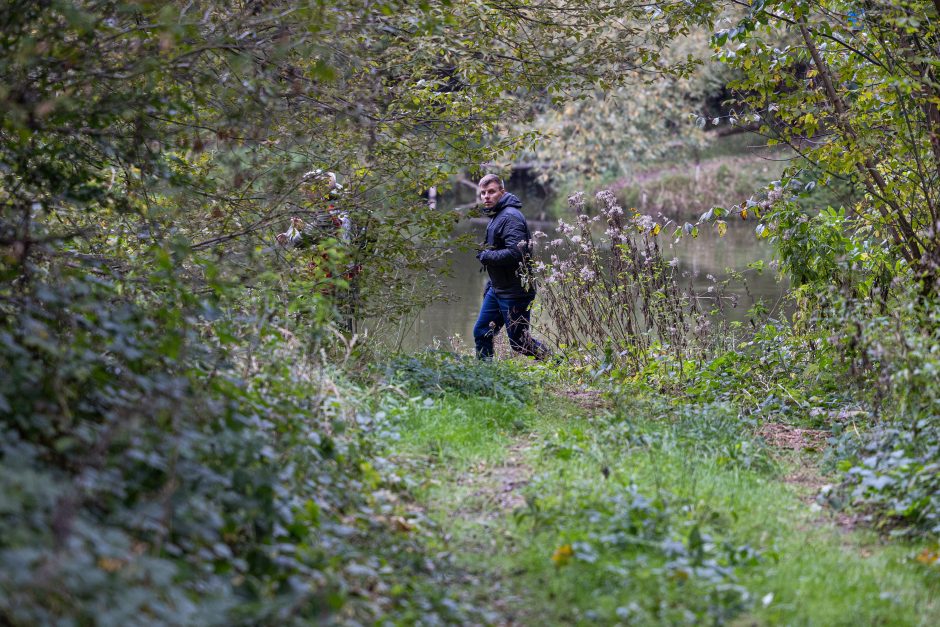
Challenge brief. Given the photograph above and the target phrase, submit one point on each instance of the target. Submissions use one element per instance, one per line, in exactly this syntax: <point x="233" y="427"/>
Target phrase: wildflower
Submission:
<point x="587" y="274"/>
<point x="538" y="234"/>
<point x="615" y="235"/>
<point x="562" y="555"/>
<point x="576" y="239"/>
<point x="607" y="197"/>
<point x="643" y="222"/>
<point x="556" y="242"/>
<point x="674" y="262"/>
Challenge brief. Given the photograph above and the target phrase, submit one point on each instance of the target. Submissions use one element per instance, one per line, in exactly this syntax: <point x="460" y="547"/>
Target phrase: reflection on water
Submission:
<point x="698" y="258"/>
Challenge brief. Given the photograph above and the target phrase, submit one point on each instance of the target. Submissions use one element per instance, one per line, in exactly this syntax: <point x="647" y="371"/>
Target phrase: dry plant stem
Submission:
<point x="617" y="293"/>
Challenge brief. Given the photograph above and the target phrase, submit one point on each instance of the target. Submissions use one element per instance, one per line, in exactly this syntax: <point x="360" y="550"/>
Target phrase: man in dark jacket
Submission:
<point x="505" y="255"/>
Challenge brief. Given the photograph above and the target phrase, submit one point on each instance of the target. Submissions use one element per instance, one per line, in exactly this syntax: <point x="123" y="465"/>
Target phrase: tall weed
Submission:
<point x="614" y="292"/>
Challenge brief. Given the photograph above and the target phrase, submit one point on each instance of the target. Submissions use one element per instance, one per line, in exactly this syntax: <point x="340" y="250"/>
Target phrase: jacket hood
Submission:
<point x="507" y="200"/>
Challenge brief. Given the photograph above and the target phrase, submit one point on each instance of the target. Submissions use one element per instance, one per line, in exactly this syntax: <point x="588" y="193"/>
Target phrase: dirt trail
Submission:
<point x="783" y="436"/>
<point x="497" y="489"/>
<point x="806" y="478"/>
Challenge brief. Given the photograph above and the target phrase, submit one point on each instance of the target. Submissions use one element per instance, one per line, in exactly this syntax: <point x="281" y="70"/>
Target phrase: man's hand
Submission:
<point x="481" y="256"/>
<point x="282" y="238"/>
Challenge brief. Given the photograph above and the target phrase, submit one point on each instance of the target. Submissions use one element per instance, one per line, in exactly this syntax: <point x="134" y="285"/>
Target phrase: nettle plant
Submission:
<point x="615" y="290"/>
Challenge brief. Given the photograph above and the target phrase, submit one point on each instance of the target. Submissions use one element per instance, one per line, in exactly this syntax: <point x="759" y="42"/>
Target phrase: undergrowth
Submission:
<point x="436" y="372"/>
<point x="853" y="356"/>
<point x="660" y="510"/>
<point x="149" y="474"/>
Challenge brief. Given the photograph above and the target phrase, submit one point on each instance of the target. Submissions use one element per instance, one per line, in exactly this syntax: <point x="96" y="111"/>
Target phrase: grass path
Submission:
<point x="564" y="511"/>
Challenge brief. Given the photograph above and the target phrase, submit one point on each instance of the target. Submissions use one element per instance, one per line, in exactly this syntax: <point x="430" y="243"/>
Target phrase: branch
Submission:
<point x="910" y="245"/>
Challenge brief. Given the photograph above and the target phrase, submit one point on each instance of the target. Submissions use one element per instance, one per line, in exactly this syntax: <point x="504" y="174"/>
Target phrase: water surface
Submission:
<point x="700" y="258"/>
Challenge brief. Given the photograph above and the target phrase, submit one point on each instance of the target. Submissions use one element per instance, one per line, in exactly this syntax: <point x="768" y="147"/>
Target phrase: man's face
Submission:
<point x="490" y="194"/>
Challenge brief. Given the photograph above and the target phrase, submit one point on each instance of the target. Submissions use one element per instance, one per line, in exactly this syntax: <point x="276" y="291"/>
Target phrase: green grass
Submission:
<point x="457" y="431"/>
<point x="670" y="515"/>
<point x="818" y="575"/>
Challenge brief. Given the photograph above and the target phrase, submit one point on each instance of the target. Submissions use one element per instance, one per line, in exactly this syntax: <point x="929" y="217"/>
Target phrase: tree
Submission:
<point x="200" y="117"/>
<point x="167" y="453"/>
<point x="649" y="116"/>
<point x="852" y="87"/>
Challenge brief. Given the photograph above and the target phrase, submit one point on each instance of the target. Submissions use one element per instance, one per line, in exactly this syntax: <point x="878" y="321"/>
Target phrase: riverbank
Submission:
<point x="728" y="170"/>
<point x="566" y="505"/>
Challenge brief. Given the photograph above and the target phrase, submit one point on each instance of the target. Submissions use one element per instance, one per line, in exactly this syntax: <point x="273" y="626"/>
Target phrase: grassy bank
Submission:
<point x="565" y="507"/>
<point x="727" y="171"/>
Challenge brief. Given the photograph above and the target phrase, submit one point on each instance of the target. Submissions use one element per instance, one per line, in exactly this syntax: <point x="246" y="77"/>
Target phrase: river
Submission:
<point x="701" y="257"/>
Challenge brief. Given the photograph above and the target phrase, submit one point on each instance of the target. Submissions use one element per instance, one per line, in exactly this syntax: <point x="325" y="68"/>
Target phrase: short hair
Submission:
<point x="490" y="178"/>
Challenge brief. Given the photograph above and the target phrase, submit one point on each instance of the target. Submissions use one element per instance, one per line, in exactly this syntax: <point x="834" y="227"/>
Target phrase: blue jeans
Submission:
<point x="514" y="313"/>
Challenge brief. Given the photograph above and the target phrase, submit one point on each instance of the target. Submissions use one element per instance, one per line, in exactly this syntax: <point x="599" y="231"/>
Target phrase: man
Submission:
<point x="321" y="190"/>
<point x="327" y="221"/>
<point x="509" y="292"/>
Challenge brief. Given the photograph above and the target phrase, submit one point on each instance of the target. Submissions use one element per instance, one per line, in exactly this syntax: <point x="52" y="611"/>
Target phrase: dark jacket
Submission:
<point x="505" y="260"/>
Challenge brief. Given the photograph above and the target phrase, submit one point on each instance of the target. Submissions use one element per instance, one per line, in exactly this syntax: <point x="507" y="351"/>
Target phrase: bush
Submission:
<point x="434" y="372"/>
<point x="895" y="473"/>
<point x="893" y="470"/>
<point x="145" y="480"/>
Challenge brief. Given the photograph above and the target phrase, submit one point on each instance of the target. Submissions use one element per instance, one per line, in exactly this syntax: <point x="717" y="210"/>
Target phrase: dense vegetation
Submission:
<point x="192" y="433"/>
<point x="569" y="509"/>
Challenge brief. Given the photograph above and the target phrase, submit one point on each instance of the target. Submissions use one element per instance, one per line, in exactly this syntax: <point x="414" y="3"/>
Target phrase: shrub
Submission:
<point x="434" y="372"/>
<point x="893" y="470"/>
<point x="895" y="474"/>
<point x="145" y="480"/>
<point x="665" y="554"/>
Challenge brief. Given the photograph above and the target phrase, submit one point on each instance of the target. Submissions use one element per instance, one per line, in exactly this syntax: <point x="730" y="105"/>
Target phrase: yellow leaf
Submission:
<point x="656" y="229"/>
<point x="109" y="564"/>
<point x="722" y="228"/>
<point x="928" y="557"/>
<point x="562" y="555"/>
<point x="744" y="214"/>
